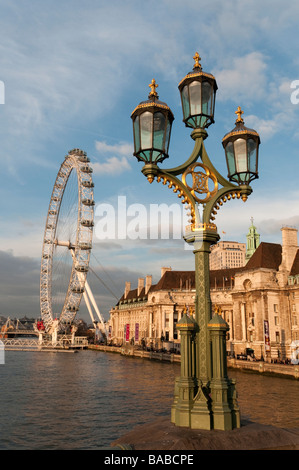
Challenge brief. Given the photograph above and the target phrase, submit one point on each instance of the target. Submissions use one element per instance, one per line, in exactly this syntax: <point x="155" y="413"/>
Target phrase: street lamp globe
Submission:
<point x="198" y="93"/>
<point x="152" y="121"/>
<point x="241" y="147"/>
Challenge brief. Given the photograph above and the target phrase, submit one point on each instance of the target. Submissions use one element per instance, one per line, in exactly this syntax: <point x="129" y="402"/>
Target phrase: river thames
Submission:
<point x="84" y="401"/>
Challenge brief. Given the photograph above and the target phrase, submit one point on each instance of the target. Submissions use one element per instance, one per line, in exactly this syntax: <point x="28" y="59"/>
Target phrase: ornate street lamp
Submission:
<point x="204" y="378"/>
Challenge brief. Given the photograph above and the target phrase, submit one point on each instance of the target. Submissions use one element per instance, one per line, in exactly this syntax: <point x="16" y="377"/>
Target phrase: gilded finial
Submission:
<point x="197" y="58"/>
<point x="217" y="310"/>
<point x="153" y="85"/>
<point x="239" y="113"/>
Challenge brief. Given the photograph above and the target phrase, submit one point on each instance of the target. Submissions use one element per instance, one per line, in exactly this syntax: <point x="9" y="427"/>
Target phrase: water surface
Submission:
<point x="87" y="400"/>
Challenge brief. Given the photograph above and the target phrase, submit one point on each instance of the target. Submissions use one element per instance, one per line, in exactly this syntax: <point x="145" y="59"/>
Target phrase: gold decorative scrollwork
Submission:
<point x="226" y="197"/>
<point x="200" y="182"/>
<point x="181" y="193"/>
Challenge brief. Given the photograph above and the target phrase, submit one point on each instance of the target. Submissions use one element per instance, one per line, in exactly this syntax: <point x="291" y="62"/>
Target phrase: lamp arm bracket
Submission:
<point x="223" y="195"/>
<point x="206" y="161"/>
<point x="179" y="170"/>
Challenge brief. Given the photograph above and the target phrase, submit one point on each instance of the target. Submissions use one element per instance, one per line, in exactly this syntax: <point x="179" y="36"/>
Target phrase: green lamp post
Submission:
<point x="214" y="404"/>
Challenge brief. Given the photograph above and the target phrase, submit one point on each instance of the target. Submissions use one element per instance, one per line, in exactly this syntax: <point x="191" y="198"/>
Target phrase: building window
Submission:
<point x="275" y="306"/>
<point x="277" y="337"/>
<point x="276" y="321"/>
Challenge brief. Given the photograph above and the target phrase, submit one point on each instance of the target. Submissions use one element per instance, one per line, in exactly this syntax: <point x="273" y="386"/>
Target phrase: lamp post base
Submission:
<point x="222" y="416"/>
<point x="180" y="413"/>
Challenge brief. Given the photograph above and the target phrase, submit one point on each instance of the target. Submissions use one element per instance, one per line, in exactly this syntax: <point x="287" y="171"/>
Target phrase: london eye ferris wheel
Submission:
<point x="67" y="241"/>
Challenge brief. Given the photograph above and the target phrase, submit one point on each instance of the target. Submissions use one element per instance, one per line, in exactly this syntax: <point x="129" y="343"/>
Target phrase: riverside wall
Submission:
<point x="259" y="367"/>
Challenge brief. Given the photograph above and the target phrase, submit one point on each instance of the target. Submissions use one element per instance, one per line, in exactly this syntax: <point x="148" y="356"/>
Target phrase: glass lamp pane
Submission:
<point x="159" y="130"/>
<point x="240" y="155"/>
<point x="206" y="98"/>
<point x="136" y="134"/>
<point x="146" y="128"/>
<point x="229" y="150"/>
<point x="195" y="97"/>
<point x="167" y="137"/>
<point x="251" y="146"/>
<point x="185" y="101"/>
<point x="155" y="155"/>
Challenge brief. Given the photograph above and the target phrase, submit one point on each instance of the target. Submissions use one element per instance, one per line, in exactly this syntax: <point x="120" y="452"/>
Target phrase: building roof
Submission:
<point x="176" y="280"/>
<point x="267" y="255"/>
<point x="220" y="278"/>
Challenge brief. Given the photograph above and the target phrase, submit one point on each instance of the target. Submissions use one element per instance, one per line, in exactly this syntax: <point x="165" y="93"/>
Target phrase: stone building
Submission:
<point x="260" y="303"/>
<point x="227" y="254"/>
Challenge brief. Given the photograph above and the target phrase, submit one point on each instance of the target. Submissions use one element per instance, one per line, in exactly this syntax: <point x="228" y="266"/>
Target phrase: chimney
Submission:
<point x="148" y="284"/>
<point x="127" y="289"/>
<point x="164" y="270"/>
<point x="140" y="285"/>
<point x="289" y="247"/>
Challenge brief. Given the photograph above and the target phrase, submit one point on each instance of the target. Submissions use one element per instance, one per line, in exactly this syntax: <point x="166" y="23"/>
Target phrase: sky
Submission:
<point x="72" y="72"/>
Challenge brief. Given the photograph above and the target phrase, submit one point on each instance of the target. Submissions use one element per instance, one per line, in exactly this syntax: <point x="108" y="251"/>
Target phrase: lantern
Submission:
<point x="152" y="121"/>
<point x="198" y="93"/>
<point x="241" y="147"/>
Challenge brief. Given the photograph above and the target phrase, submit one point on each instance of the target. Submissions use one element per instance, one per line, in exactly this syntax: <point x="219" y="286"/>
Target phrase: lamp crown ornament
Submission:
<point x="153" y="85"/>
<point x="239" y="113"/>
<point x="197" y="58"/>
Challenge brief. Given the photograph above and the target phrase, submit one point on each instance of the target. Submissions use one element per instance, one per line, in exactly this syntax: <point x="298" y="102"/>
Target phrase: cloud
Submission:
<point x="114" y="165"/>
<point x="270" y="214"/>
<point x="19" y="285"/>
<point x="123" y="148"/>
<point x="265" y="128"/>
<point x="245" y="79"/>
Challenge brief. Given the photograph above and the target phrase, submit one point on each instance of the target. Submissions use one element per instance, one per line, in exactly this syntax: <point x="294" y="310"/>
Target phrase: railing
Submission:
<point x="63" y="342"/>
<point x="19" y="343"/>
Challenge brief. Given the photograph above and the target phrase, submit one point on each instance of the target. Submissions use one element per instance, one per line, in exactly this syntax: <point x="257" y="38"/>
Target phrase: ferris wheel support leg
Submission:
<point x="85" y="296"/>
<point x="90" y="294"/>
<point x="74" y="329"/>
<point x="54" y="336"/>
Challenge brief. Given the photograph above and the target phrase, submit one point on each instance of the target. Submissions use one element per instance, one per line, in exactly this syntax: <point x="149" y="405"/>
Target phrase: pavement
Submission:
<point x="163" y="435"/>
